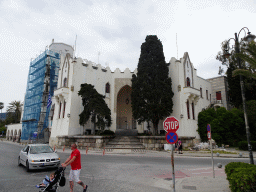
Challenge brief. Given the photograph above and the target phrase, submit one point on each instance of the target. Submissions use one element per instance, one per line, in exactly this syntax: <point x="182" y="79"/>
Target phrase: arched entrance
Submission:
<point x="124" y="109"/>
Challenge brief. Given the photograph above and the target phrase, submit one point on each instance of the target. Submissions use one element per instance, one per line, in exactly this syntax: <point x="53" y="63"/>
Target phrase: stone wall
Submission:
<point x="157" y="142"/>
<point x="83" y="141"/>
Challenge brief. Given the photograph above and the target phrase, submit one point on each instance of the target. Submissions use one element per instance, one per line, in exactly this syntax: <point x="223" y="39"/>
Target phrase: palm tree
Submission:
<point x="249" y="56"/>
<point x="15" y="110"/>
<point x="1" y="106"/>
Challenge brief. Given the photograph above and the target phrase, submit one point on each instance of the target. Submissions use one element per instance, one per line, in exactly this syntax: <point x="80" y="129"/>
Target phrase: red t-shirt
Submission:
<point x="76" y="164"/>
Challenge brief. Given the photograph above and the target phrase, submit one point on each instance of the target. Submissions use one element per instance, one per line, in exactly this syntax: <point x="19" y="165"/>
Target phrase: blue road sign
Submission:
<point x="171" y="137"/>
<point x="208" y="127"/>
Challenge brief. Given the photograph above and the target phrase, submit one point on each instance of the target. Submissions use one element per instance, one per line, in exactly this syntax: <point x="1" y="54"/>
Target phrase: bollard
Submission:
<point x="217" y="154"/>
<point x="219" y="165"/>
<point x="64" y="148"/>
<point x="86" y="150"/>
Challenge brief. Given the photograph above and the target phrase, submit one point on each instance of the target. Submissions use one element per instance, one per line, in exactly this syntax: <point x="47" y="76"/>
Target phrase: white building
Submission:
<point x="191" y="95"/>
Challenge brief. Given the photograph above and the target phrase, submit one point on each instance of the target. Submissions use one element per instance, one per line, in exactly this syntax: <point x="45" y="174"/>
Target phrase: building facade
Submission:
<point x="219" y="98"/>
<point x="191" y="95"/>
<point x="59" y="73"/>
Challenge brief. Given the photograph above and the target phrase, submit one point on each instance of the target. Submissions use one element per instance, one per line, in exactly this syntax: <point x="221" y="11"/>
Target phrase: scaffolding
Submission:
<point x="42" y="80"/>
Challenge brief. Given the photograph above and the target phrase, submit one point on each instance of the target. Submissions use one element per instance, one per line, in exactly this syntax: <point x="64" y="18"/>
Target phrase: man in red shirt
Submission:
<point x="75" y="161"/>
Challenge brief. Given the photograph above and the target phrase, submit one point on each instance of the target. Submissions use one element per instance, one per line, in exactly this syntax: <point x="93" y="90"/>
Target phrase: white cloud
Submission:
<point x="116" y="29"/>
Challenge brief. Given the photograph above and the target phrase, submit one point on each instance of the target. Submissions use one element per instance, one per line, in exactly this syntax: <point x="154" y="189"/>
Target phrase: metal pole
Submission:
<point x="244" y="104"/>
<point x="212" y="156"/>
<point x="173" y="172"/>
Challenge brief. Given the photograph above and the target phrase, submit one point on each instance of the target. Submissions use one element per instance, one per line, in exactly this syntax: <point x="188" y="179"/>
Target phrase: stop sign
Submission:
<point x="171" y="124"/>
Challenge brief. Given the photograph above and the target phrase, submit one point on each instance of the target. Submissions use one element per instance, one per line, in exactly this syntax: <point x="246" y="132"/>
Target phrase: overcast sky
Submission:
<point x="116" y="29"/>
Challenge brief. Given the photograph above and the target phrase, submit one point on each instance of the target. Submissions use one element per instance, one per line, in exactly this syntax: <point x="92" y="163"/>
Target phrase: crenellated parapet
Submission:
<point x="93" y="65"/>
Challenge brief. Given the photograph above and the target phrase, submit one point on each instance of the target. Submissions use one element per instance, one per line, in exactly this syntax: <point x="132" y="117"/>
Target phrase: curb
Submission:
<point x="147" y="152"/>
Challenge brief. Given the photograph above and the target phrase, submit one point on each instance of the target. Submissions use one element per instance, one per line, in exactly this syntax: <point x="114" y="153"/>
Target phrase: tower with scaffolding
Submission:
<point x="41" y="84"/>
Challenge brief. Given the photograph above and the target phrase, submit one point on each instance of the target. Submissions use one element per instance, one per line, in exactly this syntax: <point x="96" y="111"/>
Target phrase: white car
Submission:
<point x="38" y="156"/>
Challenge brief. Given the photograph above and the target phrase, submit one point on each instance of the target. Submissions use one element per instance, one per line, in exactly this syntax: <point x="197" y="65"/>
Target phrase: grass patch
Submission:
<point x="222" y="152"/>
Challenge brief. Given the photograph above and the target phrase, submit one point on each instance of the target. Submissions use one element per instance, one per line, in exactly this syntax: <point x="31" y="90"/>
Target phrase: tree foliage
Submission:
<point x="248" y="55"/>
<point x="227" y="127"/>
<point x="14" y="112"/>
<point x="251" y="112"/>
<point x="152" y="88"/>
<point x="95" y="108"/>
<point x="1" y="106"/>
<point x="234" y="91"/>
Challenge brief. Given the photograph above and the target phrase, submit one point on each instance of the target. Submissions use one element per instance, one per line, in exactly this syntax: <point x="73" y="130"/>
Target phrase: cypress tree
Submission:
<point x="152" y="88"/>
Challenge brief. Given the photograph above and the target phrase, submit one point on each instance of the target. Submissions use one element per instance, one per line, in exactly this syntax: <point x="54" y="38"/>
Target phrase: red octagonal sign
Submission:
<point x="171" y="124"/>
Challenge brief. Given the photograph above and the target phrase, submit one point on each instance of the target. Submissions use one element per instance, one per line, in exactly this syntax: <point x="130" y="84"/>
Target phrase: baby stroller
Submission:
<point x="59" y="180"/>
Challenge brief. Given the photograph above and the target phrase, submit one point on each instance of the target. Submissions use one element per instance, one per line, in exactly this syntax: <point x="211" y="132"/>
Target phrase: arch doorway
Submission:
<point x="124" y="118"/>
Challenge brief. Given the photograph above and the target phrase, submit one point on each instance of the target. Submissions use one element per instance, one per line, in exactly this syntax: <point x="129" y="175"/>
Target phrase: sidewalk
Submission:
<point x="189" y="183"/>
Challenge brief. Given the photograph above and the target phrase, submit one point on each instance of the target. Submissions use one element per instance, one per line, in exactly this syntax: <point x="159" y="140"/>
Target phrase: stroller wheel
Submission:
<point x="27" y="166"/>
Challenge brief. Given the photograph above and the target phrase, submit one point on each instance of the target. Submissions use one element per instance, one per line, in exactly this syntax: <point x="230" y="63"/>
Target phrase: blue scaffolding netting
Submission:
<point x="35" y="89"/>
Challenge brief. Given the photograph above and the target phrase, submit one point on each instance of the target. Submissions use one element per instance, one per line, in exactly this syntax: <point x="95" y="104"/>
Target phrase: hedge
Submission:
<point x="243" y="145"/>
<point x="241" y="176"/>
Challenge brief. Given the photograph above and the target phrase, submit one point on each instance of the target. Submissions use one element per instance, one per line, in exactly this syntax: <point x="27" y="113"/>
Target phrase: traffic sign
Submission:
<point x="208" y="127"/>
<point x="209" y="135"/>
<point x="171" y="124"/>
<point x="171" y="137"/>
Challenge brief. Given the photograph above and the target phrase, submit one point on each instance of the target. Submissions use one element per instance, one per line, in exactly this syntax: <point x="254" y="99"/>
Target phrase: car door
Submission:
<point x="24" y="154"/>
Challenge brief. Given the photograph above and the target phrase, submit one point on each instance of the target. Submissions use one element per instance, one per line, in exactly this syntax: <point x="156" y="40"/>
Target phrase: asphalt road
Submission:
<point x="118" y="173"/>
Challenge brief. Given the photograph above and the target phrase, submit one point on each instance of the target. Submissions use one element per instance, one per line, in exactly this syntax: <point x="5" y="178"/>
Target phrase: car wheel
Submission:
<point x="27" y="166"/>
<point x="19" y="164"/>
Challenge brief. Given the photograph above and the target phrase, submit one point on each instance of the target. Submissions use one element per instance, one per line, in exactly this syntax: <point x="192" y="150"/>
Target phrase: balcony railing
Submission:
<point x="216" y="102"/>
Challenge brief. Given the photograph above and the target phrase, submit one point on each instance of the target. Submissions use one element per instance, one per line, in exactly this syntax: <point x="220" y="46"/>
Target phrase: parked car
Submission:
<point x="38" y="156"/>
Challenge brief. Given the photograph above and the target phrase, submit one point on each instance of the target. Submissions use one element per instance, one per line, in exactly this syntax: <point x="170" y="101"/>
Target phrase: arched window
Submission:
<point x="188" y="109"/>
<point x="64" y="107"/>
<point x="107" y="89"/>
<point x="65" y="82"/>
<point x="188" y="82"/>
<point x="193" y="110"/>
<point x="60" y="110"/>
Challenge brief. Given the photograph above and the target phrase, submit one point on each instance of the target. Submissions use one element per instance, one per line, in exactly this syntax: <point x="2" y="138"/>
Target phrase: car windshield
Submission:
<point x="40" y="149"/>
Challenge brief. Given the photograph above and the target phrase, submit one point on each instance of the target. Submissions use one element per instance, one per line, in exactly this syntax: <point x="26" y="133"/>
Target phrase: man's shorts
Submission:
<point x="74" y="175"/>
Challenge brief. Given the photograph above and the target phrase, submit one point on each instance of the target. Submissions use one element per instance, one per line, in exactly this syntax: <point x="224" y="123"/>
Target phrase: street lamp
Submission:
<point x="248" y="39"/>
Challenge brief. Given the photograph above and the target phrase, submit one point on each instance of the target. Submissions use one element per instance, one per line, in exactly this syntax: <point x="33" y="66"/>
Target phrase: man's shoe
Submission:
<point x="85" y="188"/>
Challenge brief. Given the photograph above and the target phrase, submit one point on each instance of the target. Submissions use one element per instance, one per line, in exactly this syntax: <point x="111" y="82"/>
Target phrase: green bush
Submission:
<point x="227" y="127"/>
<point x="241" y="176"/>
<point x="243" y="145"/>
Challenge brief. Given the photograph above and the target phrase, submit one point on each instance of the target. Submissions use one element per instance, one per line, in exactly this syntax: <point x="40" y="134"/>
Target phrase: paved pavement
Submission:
<point x="200" y="179"/>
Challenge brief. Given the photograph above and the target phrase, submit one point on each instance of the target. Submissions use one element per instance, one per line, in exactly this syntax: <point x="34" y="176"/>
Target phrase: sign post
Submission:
<point x="209" y="135"/>
<point x="171" y="125"/>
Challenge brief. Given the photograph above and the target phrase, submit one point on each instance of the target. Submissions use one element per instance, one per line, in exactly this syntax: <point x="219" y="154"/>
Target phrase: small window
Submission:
<point x="188" y="82"/>
<point x="107" y="90"/>
<point x="207" y="94"/>
<point x="188" y="109"/>
<point x="201" y="92"/>
<point x="187" y="64"/>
